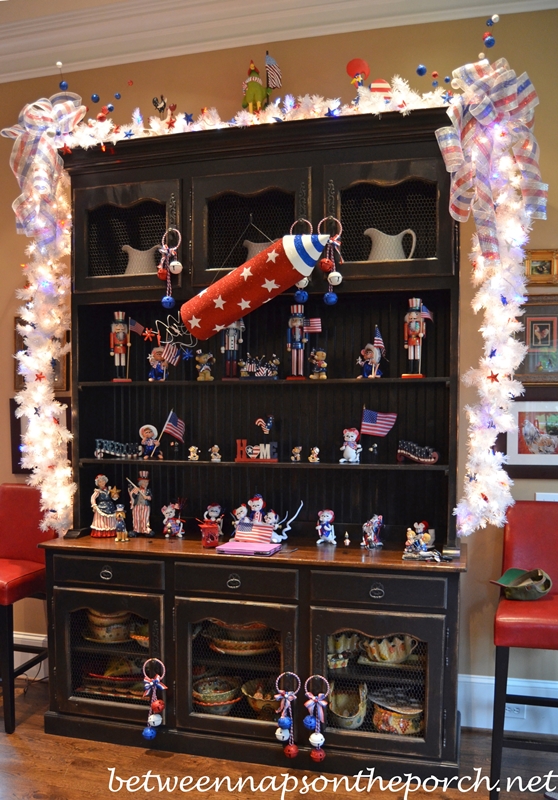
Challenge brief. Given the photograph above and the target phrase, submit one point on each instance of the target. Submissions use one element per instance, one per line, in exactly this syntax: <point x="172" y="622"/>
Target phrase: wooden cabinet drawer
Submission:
<point x="134" y="572"/>
<point x="236" y="581"/>
<point x="379" y="589"/>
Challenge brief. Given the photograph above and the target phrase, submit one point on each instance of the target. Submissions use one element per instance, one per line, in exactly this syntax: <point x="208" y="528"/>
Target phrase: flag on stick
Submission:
<point x="136" y="327"/>
<point x="376" y="424"/>
<point x="171" y="354"/>
<point x="174" y="427"/>
<point x="312" y="325"/>
<point x="426" y="314"/>
<point x="273" y="73"/>
<point x="378" y="341"/>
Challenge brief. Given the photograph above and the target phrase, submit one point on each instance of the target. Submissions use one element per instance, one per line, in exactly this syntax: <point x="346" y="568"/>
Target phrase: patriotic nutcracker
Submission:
<point x="231" y="338"/>
<point x="140" y="503"/>
<point x="119" y="343"/>
<point x="296" y="340"/>
<point x="414" y="331"/>
<point x="252" y="284"/>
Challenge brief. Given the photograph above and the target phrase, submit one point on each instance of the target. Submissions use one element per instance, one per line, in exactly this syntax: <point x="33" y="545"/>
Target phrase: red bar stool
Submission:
<point x="530" y="542"/>
<point x="22" y="574"/>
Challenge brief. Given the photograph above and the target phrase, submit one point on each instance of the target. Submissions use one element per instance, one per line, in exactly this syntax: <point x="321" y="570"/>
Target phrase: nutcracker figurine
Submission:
<point x="296" y="341"/>
<point x="414" y="333"/>
<point x="231" y="338"/>
<point x="140" y="503"/>
<point x="119" y="344"/>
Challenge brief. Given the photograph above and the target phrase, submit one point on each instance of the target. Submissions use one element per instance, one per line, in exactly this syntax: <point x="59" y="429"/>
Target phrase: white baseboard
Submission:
<point x="475" y="700"/>
<point x="37" y="639"/>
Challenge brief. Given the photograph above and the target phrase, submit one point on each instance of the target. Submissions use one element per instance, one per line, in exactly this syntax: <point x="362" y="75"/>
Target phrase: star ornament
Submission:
<point x="493" y="377"/>
<point x="244" y="304"/>
<point x="148" y="334"/>
<point x="246" y="273"/>
<point x="39" y="376"/>
<point x="270" y="285"/>
<point x="272" y="256"/>
<point x="194" y="322"/>
<point x="219" y="302"/>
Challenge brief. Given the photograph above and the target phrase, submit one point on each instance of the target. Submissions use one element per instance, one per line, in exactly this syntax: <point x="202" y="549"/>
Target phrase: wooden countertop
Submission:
<point x="296" y="552"/>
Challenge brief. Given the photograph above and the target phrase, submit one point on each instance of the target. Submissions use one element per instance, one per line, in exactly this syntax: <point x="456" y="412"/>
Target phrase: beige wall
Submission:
<point x="318" y="66"/>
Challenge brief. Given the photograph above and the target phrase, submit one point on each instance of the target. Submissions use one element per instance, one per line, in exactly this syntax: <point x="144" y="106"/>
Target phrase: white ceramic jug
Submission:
<point x="140" y="262"/>
<point x="389" y="248"/>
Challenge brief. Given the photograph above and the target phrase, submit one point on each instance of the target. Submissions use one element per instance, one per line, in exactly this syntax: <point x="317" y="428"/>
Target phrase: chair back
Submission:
<point x="531" y="538"/>
<point x="20" y="517"/>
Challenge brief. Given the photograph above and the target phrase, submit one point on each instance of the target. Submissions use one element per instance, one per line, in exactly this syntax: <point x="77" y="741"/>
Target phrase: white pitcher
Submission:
<point x="389" y="248"/>
<point x="140" y="262"/>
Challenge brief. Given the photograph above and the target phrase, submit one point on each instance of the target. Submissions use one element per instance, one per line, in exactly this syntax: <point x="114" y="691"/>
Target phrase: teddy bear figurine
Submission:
<point x="350" y="448"/>
<point x="319" y="365"/>
<point x="204" y="363"/>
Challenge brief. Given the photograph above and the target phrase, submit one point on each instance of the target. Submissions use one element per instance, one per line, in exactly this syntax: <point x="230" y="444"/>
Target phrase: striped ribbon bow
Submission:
<point x="36" y="163"/>
<point x="316" y="704"/>
<point x="494" y="102"/>
<point x="287" y="699"/>
<point x="152" y="684"/>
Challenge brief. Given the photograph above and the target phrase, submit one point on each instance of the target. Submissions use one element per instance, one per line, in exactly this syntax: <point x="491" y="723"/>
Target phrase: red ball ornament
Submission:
<point x="130" y="83"/>
<point x="317" y="754"/>
<point x="326" y="265"/>
<point x="157" y="706"/>
<point x="358" y="66"/>
<point x="105" y="109"/>
<point x="290" y="750"/>
<point x="101" y="117"/>
<point x="434" y="74"/>
<point x="486" y="35"/>
<point x="162" y="273"/>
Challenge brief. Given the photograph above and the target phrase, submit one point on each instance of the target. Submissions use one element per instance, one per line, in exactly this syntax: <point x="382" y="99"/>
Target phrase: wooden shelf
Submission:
<point x="265" y="382"/>
<point x="256" y="462"/>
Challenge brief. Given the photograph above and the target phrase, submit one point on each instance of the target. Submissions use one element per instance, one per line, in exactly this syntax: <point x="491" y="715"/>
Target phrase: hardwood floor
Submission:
<point x="34" y="766"/>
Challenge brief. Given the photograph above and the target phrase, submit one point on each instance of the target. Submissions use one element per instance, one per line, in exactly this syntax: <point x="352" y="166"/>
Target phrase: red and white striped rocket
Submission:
<point x="249" y="286"/>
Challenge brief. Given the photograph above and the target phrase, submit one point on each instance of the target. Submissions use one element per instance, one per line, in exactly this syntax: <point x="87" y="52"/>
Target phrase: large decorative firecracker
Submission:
<point x="103" y="503"/>
<point x="324" y="526"/>
<point x="249" y="286"/>
<point x="316" y="705"/>
<point x="156" y="705"/>
<point x="119" y="343"/>
<point x="140" y="503"/>
<point x="350" y="448"/>
<point x="286" y="698"/>
<point x="371" y="532"/>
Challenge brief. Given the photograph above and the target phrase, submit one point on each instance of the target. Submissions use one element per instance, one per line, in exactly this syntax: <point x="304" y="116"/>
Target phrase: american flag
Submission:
<point x="136" y="327"/>
<point x="426" y="314"/>
<point x="171" y="353"/>
<point x="376" y="424"/>
<point x="313" y="325"/>
<point x="273" y="73"/>
<point x="258" y="532"/>
<point x="378" y="341"/>
<point x="174" y="427"/>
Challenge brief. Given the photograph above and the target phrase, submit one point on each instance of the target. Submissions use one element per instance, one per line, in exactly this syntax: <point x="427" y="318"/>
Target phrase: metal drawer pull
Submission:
<point x="377" y="591"/>
<point x="233" y="581"/>
<point x="106" y="574"/>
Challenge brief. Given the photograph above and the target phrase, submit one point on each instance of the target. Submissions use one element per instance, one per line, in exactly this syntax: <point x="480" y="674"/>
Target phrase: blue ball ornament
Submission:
<point x="421" y="69"/>
<point x="284" y="722"/>
<point x="117" y="95"/>
<point x="110" y="107"/>
<point x="149" y="733"/>
<point x="447" y="79"/>
<point x="434" y="83"/>
<point x="489" y="22"/>
<point x="330" y="298"/>
<point x="94" y="98"/>
<point x="309" y="722"/>
<point x="168" y="301"/>
<point x="63" y="85"/>
<point x="300" y="296"/>
<point x="490" y="41"/>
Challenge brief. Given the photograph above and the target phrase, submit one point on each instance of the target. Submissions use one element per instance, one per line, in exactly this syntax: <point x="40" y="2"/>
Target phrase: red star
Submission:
<point x="493" y="377"/>
<point x="66" y="150"/>
<point x="56" y="422"/>
<point x="39" y="376"/>
<point x="148" y="334"/>
<point x="171" y="123"/>
<point x="485" y="498"/>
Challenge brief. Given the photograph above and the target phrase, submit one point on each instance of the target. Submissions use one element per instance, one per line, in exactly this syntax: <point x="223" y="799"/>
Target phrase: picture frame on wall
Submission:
<point x="541" y="266"/>
<point x="540" y="365"/>
<point x="532" y="449"/>
<point x="60" y="368"/>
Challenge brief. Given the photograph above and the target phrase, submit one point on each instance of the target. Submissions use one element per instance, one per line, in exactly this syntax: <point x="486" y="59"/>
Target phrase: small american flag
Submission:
<point x="274" y="77"/>
<point x="171" y="353"/>
<point x="174" y="427"/>
<point x="426" y="314"/>
<point x="376" y="424"/>
<point x="258" y="532"/>
<point x="378" y="341"/>
<point x="313" y="325"/>
<point x="136" y="327"/>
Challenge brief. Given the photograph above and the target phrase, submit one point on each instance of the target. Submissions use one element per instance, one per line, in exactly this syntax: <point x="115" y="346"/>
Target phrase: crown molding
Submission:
<point x="128" y="32"/>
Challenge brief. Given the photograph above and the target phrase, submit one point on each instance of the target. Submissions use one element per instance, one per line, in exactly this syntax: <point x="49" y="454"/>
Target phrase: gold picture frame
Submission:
<point x="541" y="266"/>
<point x="60" y="370"/>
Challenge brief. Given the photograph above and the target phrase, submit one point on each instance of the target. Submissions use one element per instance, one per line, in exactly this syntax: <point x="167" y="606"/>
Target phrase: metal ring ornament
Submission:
<point x="158" y="661"/>
<point x="164" y="240"/>
<point x="292" y="674"/>
<point x="302" y="219"/>
<point x="331" y="219"/>
<point x="317" y="677"/>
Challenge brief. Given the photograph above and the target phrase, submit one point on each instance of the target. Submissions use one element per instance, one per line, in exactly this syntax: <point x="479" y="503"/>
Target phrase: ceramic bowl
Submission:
<point x="390" y="649"/>
<point x="143" y="641"/>
<point x="401" y="716"/>
<point x="347" y="709"/>
<point x="116" y="632"/>
<point x="343" y="643"/>
<point x="260" y="698"/>
<point x="219" y="709"/>
<point x="219" y="689"/>
<point x="101" y="618"/>
<point x="337" y="660"/>
<point x="243" y="632"/>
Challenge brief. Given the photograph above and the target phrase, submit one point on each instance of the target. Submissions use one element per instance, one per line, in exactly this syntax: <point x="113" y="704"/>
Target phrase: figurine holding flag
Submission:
<point x="370" y="357"/>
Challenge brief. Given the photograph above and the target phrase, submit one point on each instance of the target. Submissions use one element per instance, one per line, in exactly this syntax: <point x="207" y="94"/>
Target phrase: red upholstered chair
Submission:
<point x="530" y="542"/>
<point x="22" y="574"/>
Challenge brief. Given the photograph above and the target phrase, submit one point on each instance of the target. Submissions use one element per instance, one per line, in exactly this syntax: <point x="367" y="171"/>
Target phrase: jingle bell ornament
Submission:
<point x="168" y="301"/>
<point x="169" y="265"/>
<point x="149" y="733"/>
<point x="302" y="284"/>
<point x="162" y="273"/>
<point x="327" y="265"/>
<point x="301" y="297"/>
<point x="282" y="734"/>
<point x="316" y="705"/>
<point x="309" y="722"/>
<point x="175" y="267"/>
<point x="334" y="278"/>
<point x="286" y="698"/>
<point x="152" y="685"/>
<point x="154" y="720"/>
<point x="316" y="739"/>
<point x="284" y="722"/>
<point x="291" y="750"/>
<point x="157" y="706"/>
<point x="317" y="755"/>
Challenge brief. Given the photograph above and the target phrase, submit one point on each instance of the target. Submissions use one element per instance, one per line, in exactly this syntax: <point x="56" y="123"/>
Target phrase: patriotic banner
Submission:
<point x="252" y="284"/>
<point x="274" y="77"/>
<point x="375" y="424"/>
<point x="135" y="327"/>
<point x="174" y="427"/>
<point x="258" y="532"/>
<point x="171" y="354"/>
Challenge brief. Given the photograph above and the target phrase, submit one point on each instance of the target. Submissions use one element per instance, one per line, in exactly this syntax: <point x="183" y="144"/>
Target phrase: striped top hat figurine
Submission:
<point x="119" y="343"/>
<point x="414" y="333"/>
<point x="140" y="503"/>
<point x="296" y="341"/>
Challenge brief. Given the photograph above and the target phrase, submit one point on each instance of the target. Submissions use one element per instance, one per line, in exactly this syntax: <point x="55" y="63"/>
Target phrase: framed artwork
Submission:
<point x="17" y="430"/>
<point x="532" y="449"/>
<point x="541" y="337"/>
<point x="60" y="368"/>
<point x="541" y="266"/>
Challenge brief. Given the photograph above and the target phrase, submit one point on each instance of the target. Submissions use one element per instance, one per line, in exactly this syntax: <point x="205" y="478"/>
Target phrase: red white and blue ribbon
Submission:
<point x="316" y="705"/>
<point x="286" y="700"/>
